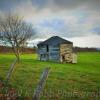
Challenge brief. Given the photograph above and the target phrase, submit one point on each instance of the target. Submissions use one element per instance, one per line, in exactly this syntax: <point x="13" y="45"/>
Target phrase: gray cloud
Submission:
<point x="66" y="18"/>
<point x="52" y="4"/>
<point x="78" y="14"/>
<point x="7" y="5"/>
<point x="68" y="4"/>
<point x="71" y="4"/>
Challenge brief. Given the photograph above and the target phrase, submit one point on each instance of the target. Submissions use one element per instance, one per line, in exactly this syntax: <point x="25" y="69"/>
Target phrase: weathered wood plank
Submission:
<point x="40" y="86"/>
<point x="11" y="70"/>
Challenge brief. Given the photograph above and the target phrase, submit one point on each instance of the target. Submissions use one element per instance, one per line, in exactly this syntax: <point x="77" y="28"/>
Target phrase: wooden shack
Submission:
<point x="56" y="49"/>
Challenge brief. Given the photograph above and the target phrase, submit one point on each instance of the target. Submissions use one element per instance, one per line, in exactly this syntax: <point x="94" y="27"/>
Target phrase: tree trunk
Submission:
<point x="16" y="52"/>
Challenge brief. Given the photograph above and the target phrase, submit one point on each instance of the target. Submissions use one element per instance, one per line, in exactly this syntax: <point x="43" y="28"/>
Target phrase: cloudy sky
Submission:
<point x="74" y="20"/>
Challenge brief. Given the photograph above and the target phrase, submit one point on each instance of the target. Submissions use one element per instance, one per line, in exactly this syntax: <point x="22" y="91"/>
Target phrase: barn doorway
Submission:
<point x="63" y="58"/>
<point x="47" y="48"/>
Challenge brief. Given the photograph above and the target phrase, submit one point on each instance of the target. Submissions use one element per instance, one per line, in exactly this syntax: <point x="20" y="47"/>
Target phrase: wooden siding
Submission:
<point x="56" y="53"/>
<point x="52" y="55"/>
<point x="55" y="49"/>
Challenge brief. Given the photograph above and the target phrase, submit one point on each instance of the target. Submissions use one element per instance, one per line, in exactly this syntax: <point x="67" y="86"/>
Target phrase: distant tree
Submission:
<point x="14" y="31"/>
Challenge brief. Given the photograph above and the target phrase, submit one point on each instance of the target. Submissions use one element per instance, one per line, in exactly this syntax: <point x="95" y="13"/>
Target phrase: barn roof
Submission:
<point x="54" y="40"/>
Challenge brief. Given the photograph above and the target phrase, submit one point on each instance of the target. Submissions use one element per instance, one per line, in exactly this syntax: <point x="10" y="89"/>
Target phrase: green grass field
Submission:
<point x="64" y="80"/>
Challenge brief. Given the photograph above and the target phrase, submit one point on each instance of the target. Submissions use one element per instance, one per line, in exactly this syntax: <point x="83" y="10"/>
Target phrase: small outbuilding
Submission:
<point x="56" y="49"/>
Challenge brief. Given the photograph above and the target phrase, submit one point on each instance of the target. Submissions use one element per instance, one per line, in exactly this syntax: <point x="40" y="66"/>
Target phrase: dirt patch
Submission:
<point x="7" y="92"/>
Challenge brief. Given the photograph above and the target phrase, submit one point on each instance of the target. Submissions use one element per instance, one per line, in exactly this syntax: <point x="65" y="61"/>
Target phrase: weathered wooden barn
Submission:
<point x="55" y="49"/>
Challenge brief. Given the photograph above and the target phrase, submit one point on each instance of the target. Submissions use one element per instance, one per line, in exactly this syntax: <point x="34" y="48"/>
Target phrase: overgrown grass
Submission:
<point x="65" y="81"/>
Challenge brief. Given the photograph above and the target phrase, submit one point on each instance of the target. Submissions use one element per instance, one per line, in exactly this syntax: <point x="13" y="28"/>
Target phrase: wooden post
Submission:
<point x="39" y="89"/>
<point x="11" y="70"/>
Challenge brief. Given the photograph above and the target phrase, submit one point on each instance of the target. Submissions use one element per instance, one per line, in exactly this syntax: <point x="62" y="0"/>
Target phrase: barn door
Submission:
<point x="63" y="58"/>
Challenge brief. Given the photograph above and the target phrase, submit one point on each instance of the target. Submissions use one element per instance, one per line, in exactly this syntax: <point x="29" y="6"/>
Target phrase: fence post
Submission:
<point x="40" y="86"/>
<point x="11" y="70"/>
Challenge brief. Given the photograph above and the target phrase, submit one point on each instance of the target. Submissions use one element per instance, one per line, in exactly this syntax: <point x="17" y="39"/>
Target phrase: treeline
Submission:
<point x="5" y="49"/>
<point x="85" y="49"/>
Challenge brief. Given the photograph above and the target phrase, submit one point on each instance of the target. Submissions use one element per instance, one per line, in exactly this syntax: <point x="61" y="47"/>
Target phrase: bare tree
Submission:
<point x="14" y="31"/>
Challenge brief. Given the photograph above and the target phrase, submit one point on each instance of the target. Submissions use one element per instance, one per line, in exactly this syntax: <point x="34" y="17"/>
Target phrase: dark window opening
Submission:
<point x="47" y="48"/>
<point x="63" y="58"/>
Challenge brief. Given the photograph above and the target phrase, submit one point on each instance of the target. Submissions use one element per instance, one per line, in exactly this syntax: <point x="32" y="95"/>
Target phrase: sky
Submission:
<point x="74" y="20"/>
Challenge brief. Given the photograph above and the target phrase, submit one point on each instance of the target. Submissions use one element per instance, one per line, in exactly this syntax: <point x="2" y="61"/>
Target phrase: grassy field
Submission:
<point x="65" y="81"/>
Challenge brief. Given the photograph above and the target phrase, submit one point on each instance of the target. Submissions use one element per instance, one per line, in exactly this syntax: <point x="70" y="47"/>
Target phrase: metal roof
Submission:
<point x="55" y="40"/>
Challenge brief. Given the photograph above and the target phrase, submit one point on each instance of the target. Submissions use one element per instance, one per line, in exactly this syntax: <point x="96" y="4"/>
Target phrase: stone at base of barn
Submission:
<point x="70" y="58"/>
<point x="66" y="53"/>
